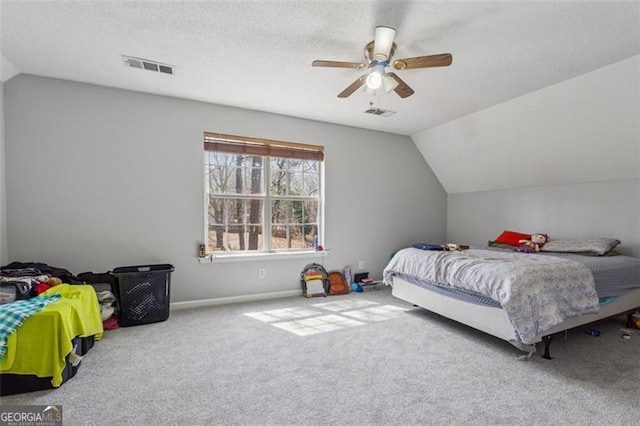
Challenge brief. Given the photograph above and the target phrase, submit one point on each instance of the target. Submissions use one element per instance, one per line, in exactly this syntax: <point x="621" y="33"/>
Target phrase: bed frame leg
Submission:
<point x="547" y="342"/>
<point x="630" y="320"/>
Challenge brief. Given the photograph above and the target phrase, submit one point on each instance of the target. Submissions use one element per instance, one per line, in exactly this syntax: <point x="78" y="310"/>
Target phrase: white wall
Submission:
<point x="3" y="202"/>
<point x="581" y="130"/>
<point x="575" y="211"/>
<point x="99" y="178"/>
<point x="7" y="69"/>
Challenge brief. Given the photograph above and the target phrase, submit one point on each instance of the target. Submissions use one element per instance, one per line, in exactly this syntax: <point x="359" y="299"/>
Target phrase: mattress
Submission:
<point x="613" y="276"/>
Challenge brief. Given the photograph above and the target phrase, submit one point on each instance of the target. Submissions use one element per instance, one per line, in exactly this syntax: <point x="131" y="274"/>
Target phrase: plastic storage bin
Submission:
<point x="144" y="293"/>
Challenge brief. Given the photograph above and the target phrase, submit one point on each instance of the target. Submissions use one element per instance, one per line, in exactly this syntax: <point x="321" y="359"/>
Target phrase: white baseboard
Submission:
<point x="175" y="306"/>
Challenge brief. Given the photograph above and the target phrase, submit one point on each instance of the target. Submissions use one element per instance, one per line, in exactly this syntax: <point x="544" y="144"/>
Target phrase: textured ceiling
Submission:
<point x="258" y="54"/>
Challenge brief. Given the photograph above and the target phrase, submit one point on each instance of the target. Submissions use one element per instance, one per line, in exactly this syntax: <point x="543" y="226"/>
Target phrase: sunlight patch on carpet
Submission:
<point x="305" y="322"/>
<point x="379" y="313"/>
<point x="282" y="314"/>
<point x="343" y="305"/>
<point x="317" y="325"/>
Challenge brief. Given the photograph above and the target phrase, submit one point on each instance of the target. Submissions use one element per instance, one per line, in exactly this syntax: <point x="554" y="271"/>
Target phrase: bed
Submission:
<point x="46" y="350"/>
<point x="518" y="297"/>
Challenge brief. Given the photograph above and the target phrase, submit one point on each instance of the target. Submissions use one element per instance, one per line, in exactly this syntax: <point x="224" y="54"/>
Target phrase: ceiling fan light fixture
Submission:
<point x="374" y="79"/>
<point x="369" y="91"/>
<point x="383" y="42"/>
<point x="389" y="82"/>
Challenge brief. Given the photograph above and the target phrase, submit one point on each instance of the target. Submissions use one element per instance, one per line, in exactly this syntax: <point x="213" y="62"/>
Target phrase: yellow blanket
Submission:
<point x="43" y="342"/>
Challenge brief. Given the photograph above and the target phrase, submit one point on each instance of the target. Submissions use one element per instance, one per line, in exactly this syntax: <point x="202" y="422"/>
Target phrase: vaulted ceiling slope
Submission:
<point x="585" y="129"/>
<point x="258" y="54"/>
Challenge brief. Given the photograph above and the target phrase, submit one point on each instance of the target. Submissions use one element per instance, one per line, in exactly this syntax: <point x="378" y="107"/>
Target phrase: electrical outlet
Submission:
<point x="262" y="273"/>
<point x="361" y="265"/>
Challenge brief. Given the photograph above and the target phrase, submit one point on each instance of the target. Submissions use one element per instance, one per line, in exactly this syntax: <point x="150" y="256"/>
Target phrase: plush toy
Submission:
<point x="53" y="281"/>
<point x="533" y="245"/>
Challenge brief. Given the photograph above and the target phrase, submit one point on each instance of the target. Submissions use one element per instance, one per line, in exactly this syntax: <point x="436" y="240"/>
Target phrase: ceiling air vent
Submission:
<point x="146" y="64"/>
<point x="381" y="112"/>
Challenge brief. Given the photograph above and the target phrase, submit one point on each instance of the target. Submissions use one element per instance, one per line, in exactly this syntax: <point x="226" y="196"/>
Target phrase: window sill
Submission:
<point x="219" y="258"/>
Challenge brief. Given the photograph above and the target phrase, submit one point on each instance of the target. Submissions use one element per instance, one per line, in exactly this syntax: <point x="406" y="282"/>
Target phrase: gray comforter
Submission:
<point x="537" y="292"/>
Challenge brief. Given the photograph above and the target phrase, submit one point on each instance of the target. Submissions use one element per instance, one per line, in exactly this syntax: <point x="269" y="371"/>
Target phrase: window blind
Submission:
<point x="256" y="146"/>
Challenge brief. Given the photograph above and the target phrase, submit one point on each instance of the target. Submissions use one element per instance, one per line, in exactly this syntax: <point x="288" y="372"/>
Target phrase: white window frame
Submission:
<point x="267" y="198"/>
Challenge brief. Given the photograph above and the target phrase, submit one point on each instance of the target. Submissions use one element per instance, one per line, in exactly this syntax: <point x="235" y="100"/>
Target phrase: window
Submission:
<point x="262" y="195"/>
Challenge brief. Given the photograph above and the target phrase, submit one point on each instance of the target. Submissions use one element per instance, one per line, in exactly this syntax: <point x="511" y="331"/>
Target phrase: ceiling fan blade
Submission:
<point x="402" y="89"/>
<point x="353" y="87"/>
<point x="441" y="60"/>
<point x="382" y="43"/>
<point x="336" y="64"/>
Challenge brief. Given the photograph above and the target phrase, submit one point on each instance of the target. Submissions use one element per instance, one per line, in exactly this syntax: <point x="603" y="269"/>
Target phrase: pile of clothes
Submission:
<point x="17" y="284"/>
<point x="21" y="281"/>
<point x="107" y="302"/>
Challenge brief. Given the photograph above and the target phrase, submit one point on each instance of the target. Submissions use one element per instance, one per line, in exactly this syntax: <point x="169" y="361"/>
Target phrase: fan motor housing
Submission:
<point x="368" y="52"/>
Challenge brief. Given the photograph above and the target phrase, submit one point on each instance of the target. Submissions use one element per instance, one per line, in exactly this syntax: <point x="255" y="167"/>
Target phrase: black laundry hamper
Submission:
<point x="144" y="293"/>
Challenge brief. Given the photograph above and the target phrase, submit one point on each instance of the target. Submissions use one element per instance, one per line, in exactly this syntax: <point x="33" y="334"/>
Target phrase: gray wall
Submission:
<point x="3" y="208"/>
<point x="99" y="178"/>
<point x="596" y="209"/>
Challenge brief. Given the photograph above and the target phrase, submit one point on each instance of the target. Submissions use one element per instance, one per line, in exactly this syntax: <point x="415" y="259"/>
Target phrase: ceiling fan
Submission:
<point x="378" y="54"/>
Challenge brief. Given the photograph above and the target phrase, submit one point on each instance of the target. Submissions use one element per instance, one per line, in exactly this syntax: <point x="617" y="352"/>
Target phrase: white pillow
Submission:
<point x="598" y="246"/>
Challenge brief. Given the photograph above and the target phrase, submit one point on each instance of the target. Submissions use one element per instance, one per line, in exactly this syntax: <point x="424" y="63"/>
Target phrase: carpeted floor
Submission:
<point x="362" y="358"/>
